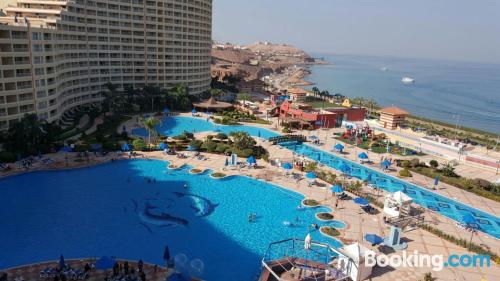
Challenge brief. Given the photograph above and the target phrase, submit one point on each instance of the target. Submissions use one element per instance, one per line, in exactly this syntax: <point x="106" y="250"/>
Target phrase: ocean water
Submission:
<point x="443" y="90"/>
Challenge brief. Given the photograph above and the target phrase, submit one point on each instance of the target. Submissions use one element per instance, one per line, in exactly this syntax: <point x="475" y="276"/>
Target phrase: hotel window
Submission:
<point x="36" y="36"/>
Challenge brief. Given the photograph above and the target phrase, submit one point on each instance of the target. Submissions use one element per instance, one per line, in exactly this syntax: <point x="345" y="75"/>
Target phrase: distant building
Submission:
<point x="392" y="117"/>
<point x="298" y="94"/>
<point x="251" y="86"/>
<point x="303" y="116"/>
<point x="346" y="103"/>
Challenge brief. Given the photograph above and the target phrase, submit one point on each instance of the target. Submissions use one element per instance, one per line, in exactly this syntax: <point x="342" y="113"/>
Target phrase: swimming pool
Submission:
<point x="174" y="126"/>
<point x="455" y="210"/>
<point x="113" y="209"/>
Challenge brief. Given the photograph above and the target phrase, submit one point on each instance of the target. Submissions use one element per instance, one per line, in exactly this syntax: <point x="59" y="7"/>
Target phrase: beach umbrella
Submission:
<point x="363" y="156"/>
<point x="287" y="166"/>
<point x="311" y="175"/>
<point x="361" y="201"/>
<point x="258" y="134"/>
<point x="226" y="163"/>
<point x="66" y="148"/>
<point x="162" y="146"/>
<point x="62" y="262"/>
<point x="166" y="110"/>
<point x="436" y="180"/>
<point x="386" y="163"/>
<point x="313" y="137"/>
<point x="208" y="112"/>
<point x="338" y="147"/>
<point x="337" y="189"/>
<point x="125" y="147"/>
<point x="104" y="263"/>
<point x="166" y="254"/>
<point x="191" y="148"/>
<point x="251" y="160"/>
<point x="374" y="239"/>
<point x="194" y="111"/>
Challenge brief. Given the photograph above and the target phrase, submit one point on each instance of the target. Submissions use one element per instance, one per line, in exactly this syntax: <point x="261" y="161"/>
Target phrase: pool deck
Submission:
<point x="358" y="223"/>
<point x="32" y="272"/>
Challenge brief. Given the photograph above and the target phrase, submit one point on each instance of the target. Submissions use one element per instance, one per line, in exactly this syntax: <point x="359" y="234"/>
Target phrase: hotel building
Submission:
<point x="56" y="55"/>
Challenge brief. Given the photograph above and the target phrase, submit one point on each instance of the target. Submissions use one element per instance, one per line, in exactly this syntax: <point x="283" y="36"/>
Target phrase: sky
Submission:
<point x="465" y="30"/>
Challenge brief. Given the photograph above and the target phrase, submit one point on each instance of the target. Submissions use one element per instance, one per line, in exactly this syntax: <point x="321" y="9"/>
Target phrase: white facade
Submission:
<point x="58" y="54"/>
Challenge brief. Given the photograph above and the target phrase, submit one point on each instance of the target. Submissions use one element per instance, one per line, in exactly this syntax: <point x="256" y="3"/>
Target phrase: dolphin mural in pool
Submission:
<point x="158" y="219"/>
<point x="202" y="205"/>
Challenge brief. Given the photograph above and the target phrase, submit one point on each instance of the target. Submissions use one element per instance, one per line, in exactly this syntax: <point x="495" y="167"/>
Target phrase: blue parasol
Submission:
<point x="385" y="164"/>
<point x="374" y="239"/>
<point x="258" y="134"/>
<point x="361" y="201"/>
<point x="436" y="180"/>
<point x="125" y="147"/>
<point x="287" y="166"/>
<point x="363" y="156"/>
<point x="66" y="148"/>
<point x="226" y="162"/>
<point x="166" y="110"/>
<point x="338" y="147"/>
<point x="162" y="146"/>
<point x="311" y="175"/>
<point x="251" y="160"/>
<point x="194" y="111"/>
<point x="337" y="189"/>
<point x="313" y="137"/>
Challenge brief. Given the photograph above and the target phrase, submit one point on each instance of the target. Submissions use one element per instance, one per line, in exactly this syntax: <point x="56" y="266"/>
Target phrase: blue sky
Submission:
<point x="466" y="30"/>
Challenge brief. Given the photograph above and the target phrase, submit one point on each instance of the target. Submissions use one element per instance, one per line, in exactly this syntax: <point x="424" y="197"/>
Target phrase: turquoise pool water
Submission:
<point x="174" y="126"/>
<point x="113" y="209"/>
<point x="450" y="208"/>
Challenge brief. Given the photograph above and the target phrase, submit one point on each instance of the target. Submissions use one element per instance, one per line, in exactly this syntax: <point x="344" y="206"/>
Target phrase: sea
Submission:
<point x="463" y="93"/>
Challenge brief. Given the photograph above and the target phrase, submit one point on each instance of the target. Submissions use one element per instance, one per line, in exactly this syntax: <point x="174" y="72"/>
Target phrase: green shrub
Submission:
<point x="218" y="175"/>
<point x="330" y="231"/>
<point x="196" y="144"/>
<point x="221" y="136"/>
<point x="209" y="146"/>
<point x="434" y="164"/>
<point x="310" y="202"/>
<point x="405" y="173"/>
<point x="325" y="216"/>
<point x="139" y="144"/>
<point x="221" y="148"/>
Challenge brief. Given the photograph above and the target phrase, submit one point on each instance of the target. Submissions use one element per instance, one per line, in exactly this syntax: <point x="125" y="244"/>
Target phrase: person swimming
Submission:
<point x="252" y="217"/>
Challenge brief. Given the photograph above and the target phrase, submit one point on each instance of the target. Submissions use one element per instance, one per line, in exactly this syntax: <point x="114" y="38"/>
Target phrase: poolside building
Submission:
<point x="58" y="55"/>
<point x="392" y="117"/>
<point x="298" y="94"/>
<point x="212" y="105"/>
<point x="303" y="116"/>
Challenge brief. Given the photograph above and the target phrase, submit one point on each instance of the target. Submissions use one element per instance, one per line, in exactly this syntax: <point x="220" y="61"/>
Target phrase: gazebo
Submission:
<point x="212" y="105"/>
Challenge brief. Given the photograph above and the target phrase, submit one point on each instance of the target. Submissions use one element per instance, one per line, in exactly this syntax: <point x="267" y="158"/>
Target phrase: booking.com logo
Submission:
<point x="436" y="262"/>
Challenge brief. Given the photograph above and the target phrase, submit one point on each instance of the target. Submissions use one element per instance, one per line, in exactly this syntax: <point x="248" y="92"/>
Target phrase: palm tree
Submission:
<point x="371" y="104"/>
<point x="150" y="125"/>
<point x="315" y="91"/>
<point x="152" y="92"/>
<point x="244" y="97"/>
<point x="111" y="95"/>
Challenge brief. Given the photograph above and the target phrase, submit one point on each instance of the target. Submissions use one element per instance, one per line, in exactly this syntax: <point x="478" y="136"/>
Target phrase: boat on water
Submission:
<point x="384" y="68"/>
<point x="408" y="80"/>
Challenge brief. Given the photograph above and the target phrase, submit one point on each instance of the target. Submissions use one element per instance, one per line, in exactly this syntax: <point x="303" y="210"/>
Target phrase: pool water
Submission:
<point x="132" y="209"/>
<point x="174" y="126"/>
<point x="450" y="208"/>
